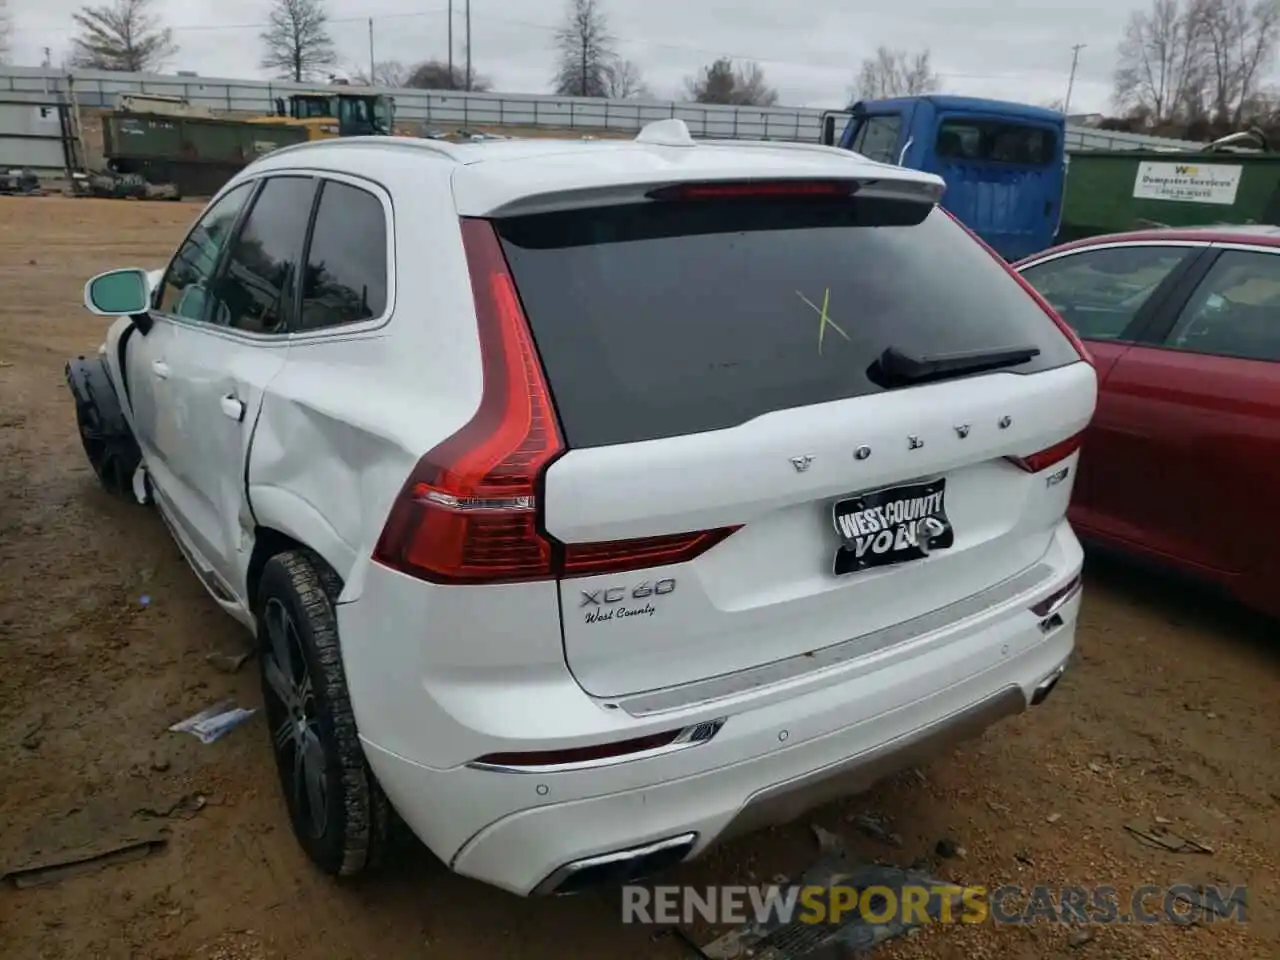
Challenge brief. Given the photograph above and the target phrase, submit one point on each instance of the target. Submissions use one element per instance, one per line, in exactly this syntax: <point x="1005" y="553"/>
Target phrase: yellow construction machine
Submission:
<point x="326" y="115"/>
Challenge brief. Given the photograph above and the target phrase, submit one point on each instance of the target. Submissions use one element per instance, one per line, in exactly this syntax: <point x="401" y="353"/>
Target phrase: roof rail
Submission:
<point x="439" y="147"/>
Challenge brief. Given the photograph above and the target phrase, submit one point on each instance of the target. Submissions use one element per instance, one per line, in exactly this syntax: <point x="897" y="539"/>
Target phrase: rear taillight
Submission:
<point x="585" y="559"/>
<point x="469" y="511"/>
<point x="756" y="188"/>
<point x="1046" y="458"/>
<point x="1031" y="291"/>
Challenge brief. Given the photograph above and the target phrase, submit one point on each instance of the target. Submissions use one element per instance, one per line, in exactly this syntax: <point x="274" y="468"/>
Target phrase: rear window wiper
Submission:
<point x="897" y="368"/>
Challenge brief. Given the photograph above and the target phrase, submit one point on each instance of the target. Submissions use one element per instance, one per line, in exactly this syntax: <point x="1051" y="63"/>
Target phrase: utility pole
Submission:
<point x="1071" y="81"/>
<point x="373" y="82"/>
<point x="468" y="44"/>
<point x="450" y="44"/>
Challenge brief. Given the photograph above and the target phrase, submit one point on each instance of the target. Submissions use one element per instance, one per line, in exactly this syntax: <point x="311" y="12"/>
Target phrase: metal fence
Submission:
<point x="453" y="109"/>
<point x="36" y="132"/>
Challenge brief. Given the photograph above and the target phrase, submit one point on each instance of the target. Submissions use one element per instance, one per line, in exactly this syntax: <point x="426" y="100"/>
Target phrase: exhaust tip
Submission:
<point x="1045" y="686"/>
<point x="618" y="867"/>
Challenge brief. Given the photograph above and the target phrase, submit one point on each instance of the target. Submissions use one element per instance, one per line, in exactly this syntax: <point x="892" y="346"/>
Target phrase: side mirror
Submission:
<point x="118" y="293"/>
<point x="828" y="131"/>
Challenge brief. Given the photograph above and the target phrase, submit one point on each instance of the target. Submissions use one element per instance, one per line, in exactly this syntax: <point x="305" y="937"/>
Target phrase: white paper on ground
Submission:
<point x="208" y="725"/>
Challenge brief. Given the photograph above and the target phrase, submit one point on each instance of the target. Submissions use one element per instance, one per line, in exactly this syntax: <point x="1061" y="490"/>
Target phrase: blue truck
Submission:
<point x="1004" y="163"/>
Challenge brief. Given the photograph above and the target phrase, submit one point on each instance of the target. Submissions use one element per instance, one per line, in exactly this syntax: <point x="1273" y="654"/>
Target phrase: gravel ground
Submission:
<point x="1170" y="712"/>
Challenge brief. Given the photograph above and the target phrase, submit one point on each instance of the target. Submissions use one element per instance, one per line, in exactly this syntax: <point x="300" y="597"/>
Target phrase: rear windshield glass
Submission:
<point x="995" y="141"/>
<point x="668" y="318"/>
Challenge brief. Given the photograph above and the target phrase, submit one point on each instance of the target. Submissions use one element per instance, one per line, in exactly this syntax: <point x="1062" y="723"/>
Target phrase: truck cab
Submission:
<point x="1004" y="163"/>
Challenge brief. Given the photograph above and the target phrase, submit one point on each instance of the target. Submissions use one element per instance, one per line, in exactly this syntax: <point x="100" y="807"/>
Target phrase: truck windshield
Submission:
<point x="995" y="141"/>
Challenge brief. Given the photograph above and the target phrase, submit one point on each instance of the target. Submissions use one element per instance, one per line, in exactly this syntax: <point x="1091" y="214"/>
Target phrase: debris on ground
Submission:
<point x="31" y="739"/>
<point x="828" y="843"/>
<point x="1079" y="938"/>
<point x="227" y="662"/>
<point x="877" y="828"/>
<point x="772" y="939"/>
<point x="81" y="860"/>
<point x="1212" y="904"/>
<point x="949" y="850"/>
<point x="1053" y="818"/>
<point x="211" y="724"/>
<point x="1159" y="836"/>
<point x="185" y="807"/>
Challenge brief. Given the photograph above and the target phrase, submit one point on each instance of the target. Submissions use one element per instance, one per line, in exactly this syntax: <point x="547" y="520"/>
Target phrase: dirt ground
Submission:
<point x="1171" y="711"/>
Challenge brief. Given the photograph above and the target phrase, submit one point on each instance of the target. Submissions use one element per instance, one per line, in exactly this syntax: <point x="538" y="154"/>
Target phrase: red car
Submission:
<point x="1182" y="460"/>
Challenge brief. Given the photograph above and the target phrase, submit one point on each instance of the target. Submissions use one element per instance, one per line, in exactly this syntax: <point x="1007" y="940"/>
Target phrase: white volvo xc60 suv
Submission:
<point x="594" y="501"/>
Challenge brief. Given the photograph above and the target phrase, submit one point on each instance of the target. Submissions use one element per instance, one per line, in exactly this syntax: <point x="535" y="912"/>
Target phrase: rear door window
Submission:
<point x="1235" y="312"/>
<point x="668" y="318"/>
<point x="996" y="141"/>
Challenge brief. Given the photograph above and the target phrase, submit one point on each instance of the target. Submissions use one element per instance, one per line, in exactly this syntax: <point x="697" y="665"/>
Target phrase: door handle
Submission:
<point x="160" y="369"/>
<point x="233" y="408"/>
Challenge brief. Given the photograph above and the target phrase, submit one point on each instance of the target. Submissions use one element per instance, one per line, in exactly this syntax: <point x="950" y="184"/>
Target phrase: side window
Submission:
<point x="877" y="138"/>
<point x="257" y="288"/>
<point x="184" y="291"/>
<point x="1099" y="292"/>
<point x="346" y="276"/>
<point x="1235" y="311"/>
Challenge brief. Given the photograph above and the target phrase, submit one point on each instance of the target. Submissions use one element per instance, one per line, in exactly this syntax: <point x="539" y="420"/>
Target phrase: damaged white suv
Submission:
<point x="594" y="501"/>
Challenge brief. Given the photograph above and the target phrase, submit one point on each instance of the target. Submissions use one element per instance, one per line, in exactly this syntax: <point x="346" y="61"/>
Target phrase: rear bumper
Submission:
<point x="771" y="761"/>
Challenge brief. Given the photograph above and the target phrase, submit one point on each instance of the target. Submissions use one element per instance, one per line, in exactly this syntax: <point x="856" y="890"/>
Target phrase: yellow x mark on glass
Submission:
<point x="824" y="321"/>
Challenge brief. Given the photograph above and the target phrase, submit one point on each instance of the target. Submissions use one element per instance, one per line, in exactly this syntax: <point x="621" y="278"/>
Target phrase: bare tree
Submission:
<point x="1240" y="42"/>
<point x="584" y="51"/>
<point x="123" y="35"/>
<point x="895" y="73"/>
<point x="386" y="73"/>
<point x="435" y="75"/>
<point x="724" y="82"/>
<point x="1161" y="68"/>
<point x="6" y="30"/>
<point x="623" y="81"/>
<point x="297" y="40"/>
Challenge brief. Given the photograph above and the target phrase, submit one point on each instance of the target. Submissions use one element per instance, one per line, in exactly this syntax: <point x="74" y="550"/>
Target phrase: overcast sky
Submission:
<point x="810" y="49"/>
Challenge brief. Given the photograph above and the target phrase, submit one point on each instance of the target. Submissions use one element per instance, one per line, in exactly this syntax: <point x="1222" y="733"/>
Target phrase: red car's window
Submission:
<point x="1099" y="292"/>
<point x="1235" y="312"/>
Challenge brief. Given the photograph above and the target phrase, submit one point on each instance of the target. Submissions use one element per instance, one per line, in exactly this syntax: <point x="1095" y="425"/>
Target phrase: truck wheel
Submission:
<point x="339" y="813"/>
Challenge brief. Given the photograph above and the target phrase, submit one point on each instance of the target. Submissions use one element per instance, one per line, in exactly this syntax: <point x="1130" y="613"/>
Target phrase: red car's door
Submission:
<point x="1109" y="293"/>
<point x="1198" y="406"/>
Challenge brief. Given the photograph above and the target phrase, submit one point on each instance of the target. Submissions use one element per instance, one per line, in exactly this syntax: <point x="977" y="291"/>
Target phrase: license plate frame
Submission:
<point x="861" y="522"/>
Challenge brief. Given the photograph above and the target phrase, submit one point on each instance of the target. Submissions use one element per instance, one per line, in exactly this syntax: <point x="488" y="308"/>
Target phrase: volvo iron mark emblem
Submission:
<point x="862" y="452"/>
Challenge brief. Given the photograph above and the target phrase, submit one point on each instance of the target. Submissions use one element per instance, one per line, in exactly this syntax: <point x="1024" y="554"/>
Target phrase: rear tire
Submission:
<point x="338" y="812"/>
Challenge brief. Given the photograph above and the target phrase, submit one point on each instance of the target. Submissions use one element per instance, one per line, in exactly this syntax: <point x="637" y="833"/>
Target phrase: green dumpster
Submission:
<point x="196" y="154"/>
<point x="1110" y="191"/>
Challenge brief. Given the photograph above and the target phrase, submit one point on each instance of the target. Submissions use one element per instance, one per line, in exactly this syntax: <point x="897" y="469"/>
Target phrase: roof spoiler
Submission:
<point x="925" y="189"/>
